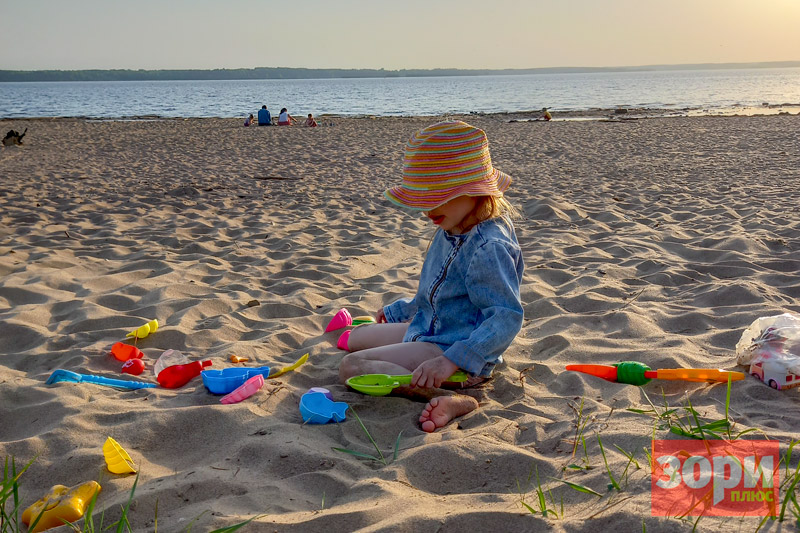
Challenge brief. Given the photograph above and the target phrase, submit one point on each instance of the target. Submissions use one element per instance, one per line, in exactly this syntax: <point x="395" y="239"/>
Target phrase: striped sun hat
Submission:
<point x="445" y="161"/>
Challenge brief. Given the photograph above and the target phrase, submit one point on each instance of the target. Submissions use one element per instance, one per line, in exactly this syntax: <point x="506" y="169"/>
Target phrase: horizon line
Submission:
<point x="745" y="64"/>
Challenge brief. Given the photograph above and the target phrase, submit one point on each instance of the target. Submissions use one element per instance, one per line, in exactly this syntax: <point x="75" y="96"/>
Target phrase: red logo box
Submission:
<point x="714" y="478"/>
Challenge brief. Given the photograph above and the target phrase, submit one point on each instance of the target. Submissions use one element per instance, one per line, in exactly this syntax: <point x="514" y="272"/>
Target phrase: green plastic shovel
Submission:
<point x="383" y="384"/>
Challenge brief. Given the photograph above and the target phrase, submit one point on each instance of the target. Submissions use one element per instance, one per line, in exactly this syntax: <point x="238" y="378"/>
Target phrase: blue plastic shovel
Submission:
<point x="74" y="377"/>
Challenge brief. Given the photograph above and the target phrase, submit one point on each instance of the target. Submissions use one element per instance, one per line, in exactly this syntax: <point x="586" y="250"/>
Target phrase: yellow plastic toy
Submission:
<point x="117" y="459"/>
<point x="143" y="331"/>
<point x="61" y="503"/>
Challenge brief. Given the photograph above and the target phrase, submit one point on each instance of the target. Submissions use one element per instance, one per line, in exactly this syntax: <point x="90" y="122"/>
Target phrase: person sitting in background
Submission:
<point x="248" y="120"/>
<point x="285" y="119"/>
<point x="310" y="122"/>
<point x="264" y="118"/>
<point x="546" y="115"/>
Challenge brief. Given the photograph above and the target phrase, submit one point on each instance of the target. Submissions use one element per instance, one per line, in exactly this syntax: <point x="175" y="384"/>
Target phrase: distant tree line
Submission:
<point x="283" y="73"/>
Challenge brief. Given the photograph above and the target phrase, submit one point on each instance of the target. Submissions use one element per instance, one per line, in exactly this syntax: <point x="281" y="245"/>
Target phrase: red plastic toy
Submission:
<point x="133" y="366"/>
<point x="125" y="352"/>
<point x="177" y="376"/>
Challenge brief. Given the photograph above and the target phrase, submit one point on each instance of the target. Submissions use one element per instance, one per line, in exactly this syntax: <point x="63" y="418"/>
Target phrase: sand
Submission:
<point x="654" y="240"/>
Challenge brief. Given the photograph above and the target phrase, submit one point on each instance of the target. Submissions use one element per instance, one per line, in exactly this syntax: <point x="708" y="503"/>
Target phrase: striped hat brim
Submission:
<point x="426" y="199"/>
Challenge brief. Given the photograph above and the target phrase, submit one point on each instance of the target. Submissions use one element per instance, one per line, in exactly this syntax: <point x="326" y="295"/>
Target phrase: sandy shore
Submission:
<point x="656" y="240"/>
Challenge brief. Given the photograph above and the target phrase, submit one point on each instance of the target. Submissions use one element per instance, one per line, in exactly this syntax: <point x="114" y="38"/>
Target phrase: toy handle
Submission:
<point x="458" y="377"/>
<point x="117" y="382"/>
<point x="695" y="374"/>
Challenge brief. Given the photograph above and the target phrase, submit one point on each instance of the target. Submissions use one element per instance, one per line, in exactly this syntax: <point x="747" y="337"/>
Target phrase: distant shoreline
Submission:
<point x="285" y="73"/>
<point x="619" y="114"/>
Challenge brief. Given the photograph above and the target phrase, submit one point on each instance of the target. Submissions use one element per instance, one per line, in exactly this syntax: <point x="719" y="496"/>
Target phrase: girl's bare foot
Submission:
<point x="442" y="409"/>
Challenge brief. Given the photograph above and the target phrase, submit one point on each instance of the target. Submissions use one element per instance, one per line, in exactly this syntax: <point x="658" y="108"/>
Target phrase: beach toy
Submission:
<point x="340" y="320"/>
<point x="61" y="503"/>
<point x="143" y="331"/>
<point x="237" y="359"/>
<point x="285" y="369"/>
<point x="636" y="373"/>
<point x="316" y="408"/>
<point x="323" y="390"/>
<point x="125" y="352"/>
<point x="343" y="319"/>
<point x="227" y="380"/>
<point x="169" y="358"/>
<point x="117" y="459"/>
<point x="344" y="340"/>
<point x="250" y="387"/>
<point x="133" y="367"/>
<point x="74" y="377"/>
<point x="383" y="384"/>
<point x="177" y="376"/>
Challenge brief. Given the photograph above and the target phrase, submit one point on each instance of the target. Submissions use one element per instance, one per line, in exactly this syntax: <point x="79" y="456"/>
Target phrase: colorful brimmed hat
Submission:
<point x="445" y="161"/>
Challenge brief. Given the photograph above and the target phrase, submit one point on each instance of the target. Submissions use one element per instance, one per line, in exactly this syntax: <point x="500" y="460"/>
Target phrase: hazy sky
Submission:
<point x="391" y="34"/>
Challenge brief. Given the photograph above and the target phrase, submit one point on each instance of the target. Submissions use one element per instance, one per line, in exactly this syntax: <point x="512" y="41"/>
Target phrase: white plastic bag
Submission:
<point x="169" y="358"/>
<point x="771" y="346"/>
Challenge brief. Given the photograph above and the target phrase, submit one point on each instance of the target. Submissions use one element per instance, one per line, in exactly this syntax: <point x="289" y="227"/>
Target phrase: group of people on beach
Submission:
<point x="284" y="118"/>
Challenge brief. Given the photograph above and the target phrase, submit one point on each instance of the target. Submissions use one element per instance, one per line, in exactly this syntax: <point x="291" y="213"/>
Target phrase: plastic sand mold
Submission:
<point x="250" y="387"/>
<point x="143" y="331"/>
<point x="117" y="459"/>
<point x="125" y="352"/>
<point x="285" y="369"/>
<point x="237" y="359"/>
<point x="227" y="380"/>
<point x="74" y="377"/>
<point x="317" y="408"/>
<point x="636" y="373"/>
<point x="383" y="384"/>
<point x="340" y="320"/>
<point x="61" y="503"/>
<point x="343" y="319"/>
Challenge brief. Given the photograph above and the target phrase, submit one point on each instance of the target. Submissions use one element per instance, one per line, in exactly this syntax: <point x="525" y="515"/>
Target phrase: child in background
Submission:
<point x="310" y="122"/>
<point x="249" y="120"/>
<point x="467" y="309"/>
<point x="285" y="119"/>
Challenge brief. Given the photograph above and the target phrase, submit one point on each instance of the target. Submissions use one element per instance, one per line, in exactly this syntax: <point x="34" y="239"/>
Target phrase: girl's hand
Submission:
<point x="380" y="316"/>
<point x="433" y="372"/>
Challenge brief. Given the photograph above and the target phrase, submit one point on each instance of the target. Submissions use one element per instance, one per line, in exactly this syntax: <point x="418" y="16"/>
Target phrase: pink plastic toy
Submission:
<point x="133" y="366"/>
<point x="125" y="352"/>
<point x="343" y="341"/>
<point x="247" y="389"/>
<point x="340" y="320"/>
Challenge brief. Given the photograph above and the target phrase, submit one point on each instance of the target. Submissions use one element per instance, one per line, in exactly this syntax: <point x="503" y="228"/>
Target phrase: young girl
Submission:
<point x="467" y="309"/>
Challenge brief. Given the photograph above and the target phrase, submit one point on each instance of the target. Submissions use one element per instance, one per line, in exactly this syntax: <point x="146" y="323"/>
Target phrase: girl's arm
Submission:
<point x="493" y="286"/>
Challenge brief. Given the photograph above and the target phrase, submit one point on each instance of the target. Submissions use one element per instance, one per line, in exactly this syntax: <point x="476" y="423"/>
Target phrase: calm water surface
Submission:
<point x="668" y="90"/>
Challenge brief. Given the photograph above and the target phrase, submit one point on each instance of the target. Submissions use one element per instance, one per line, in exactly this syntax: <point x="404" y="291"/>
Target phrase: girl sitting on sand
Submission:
<point x="467" y="309"/>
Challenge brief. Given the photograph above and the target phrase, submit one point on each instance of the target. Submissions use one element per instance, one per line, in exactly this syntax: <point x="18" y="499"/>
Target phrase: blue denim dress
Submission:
<point x="468" y="299"/>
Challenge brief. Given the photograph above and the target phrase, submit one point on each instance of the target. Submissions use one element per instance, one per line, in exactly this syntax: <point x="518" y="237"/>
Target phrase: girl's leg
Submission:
<point x="398" y="358"/>
<point x="373" y="335"/>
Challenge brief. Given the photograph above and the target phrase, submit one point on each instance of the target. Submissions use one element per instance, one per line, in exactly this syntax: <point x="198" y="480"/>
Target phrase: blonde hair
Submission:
<point x="492" y="207"/>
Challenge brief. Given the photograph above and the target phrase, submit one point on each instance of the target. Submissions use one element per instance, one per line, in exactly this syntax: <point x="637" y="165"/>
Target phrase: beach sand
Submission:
<point x="654" y="240"/>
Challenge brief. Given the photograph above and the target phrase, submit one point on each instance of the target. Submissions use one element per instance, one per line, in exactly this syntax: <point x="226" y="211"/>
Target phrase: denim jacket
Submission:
<point x="468" y="300"/>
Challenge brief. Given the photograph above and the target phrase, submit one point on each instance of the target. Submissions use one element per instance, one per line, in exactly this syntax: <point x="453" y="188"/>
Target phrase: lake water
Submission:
<point x="678" y="90"/>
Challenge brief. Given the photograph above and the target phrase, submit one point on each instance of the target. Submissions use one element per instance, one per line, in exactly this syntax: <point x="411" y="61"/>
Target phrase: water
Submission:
<point x="708" y="90"/>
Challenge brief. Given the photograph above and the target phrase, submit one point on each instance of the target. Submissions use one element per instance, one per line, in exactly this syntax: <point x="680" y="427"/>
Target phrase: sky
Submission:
<point x="390" y="34"/>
